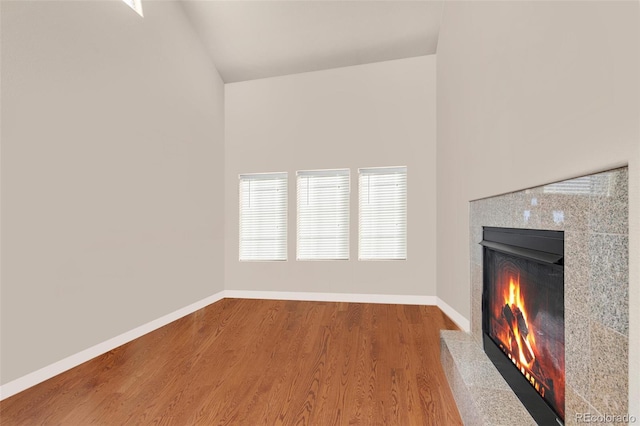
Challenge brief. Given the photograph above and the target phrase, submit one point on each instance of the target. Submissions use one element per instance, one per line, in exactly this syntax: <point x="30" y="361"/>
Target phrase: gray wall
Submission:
<point x="112" y="170"/>
<point x="381" y="114"/>
<point x="530" y="93"/>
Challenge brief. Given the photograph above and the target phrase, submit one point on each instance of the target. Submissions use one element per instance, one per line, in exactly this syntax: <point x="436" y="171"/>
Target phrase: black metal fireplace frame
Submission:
<point x="541" y="246"/>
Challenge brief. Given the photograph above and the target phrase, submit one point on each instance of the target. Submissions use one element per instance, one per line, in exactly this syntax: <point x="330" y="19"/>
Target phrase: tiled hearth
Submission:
<point x="593" y="212"/>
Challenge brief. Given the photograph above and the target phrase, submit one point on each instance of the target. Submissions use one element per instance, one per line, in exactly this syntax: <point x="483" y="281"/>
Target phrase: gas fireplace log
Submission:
<point x="522" y="324"/>
<point x="508" y="315"/>
<point x="524" y="335"/>
<point x="526" y="350"/>
<point x="514" y="319"/>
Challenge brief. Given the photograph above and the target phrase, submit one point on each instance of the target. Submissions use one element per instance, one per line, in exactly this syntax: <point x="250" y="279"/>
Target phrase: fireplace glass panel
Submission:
<point x="525" y="307"/>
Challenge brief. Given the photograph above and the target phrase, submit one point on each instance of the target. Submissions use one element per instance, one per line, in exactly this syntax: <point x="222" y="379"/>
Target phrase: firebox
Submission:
<point x="523" y="316"/>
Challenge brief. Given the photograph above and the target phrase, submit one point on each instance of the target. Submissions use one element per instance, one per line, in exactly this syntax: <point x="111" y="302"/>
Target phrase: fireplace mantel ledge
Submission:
<point x="481" y="394"/>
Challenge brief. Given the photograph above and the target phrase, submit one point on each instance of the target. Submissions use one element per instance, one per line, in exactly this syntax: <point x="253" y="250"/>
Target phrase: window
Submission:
<point x="383" y="213"/>
<point x="263" y="216"/>
<point x="323" y="215"/>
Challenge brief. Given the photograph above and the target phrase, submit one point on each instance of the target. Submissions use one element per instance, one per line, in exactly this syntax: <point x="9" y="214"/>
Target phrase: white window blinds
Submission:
<point x="263" y="216"/>
<point x="383" y="213"/>
<point x="323" y="214"/>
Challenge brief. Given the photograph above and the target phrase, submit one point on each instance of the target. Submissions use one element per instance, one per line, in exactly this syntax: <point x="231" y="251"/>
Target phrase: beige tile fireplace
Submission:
<point x="593" y="213"/>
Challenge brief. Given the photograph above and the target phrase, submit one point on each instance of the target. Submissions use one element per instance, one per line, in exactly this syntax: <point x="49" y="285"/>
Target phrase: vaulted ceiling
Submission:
<point x="256" y="39"/>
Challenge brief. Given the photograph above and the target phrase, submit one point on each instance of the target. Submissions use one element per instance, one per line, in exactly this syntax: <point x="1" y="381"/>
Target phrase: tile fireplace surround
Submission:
<point x="593" y="212"/>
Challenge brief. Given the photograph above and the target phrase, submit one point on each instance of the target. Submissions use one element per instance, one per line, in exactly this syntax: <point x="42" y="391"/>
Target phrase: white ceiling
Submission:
<point x="257" y="39"/>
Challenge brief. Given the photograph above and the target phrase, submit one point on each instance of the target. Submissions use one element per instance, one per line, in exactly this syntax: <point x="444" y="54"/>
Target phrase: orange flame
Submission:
<point x="516" y="335"/>
<point x="515" y="300"/>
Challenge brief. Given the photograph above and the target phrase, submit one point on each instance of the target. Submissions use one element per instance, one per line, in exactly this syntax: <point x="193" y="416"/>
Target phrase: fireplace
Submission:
<point x="592" y="215"/>
<point x="523" y="316"/>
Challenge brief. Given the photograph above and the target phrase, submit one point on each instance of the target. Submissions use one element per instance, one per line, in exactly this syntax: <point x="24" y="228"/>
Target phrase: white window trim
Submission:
<point x="381" y="170"/>
<point x="259" y="176"/>
<point x="324" y="172"/>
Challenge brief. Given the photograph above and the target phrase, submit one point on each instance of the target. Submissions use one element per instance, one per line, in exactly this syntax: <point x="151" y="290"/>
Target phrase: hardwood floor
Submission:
<point x="255" y="362"/>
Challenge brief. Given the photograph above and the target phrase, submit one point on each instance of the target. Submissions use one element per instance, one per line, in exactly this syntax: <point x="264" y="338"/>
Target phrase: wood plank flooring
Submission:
<point x="259" y="362"/>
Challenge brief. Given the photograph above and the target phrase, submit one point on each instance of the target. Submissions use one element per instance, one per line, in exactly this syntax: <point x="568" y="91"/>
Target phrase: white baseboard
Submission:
<point x="45" y="373"/>
<point x="455" y="316"/>
<point x="332" y="297"/>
